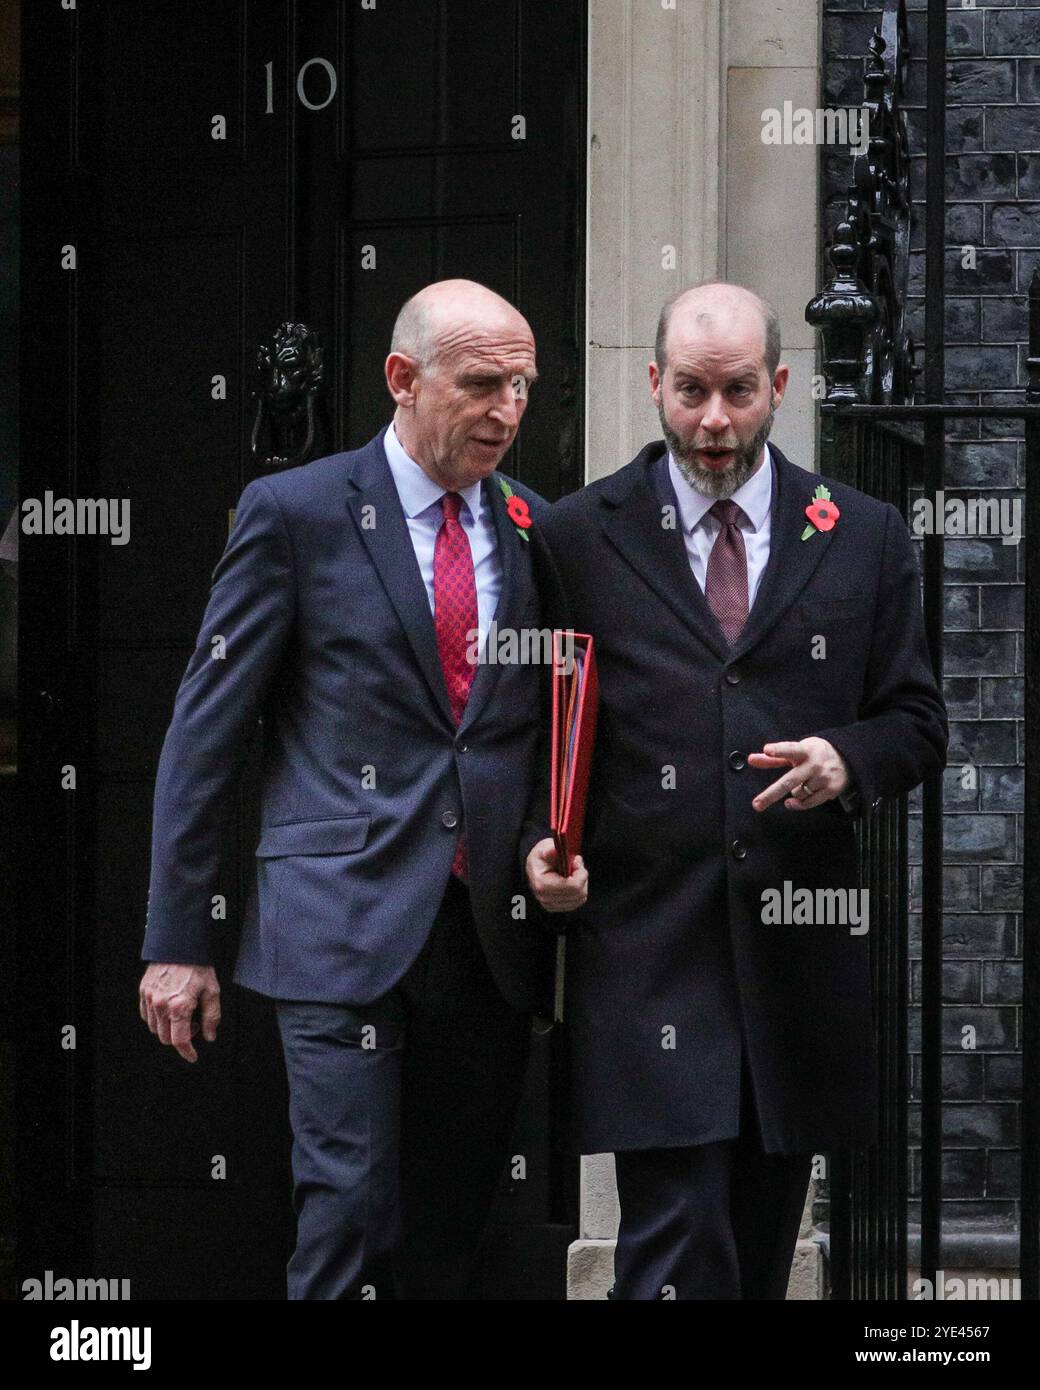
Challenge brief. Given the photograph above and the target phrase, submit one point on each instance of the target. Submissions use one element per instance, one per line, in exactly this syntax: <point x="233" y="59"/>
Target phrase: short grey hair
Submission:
<point x="413" y="333"/>
<point x="770" y="319"/>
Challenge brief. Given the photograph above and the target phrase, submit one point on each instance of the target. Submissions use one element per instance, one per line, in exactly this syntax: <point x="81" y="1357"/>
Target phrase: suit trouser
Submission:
<point x="712" y="1221"/>
<point x="401" y="1112"/>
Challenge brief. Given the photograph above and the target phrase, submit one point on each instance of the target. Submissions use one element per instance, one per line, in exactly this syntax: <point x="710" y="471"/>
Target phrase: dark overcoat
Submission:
<point x="672" y="965"/>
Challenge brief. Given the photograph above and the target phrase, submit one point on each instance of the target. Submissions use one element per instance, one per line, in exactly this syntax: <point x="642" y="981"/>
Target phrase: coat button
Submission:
<point x="738" y="849"/>
<point x="737" y="760"/>
<point x="733" y="676"/>
<point x="462" y="747"/>
<point x="449" y="820"/>
<point x="876" y="803"/>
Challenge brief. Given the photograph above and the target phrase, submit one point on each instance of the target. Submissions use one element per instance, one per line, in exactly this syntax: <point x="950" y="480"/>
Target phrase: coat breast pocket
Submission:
<point x="834" y="617"/>
<point x="831" y="639"/>
<point x="811" y="607"/>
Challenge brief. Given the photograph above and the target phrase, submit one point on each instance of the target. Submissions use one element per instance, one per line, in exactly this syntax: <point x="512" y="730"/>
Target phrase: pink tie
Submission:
<point x="726" y="581"/>
<point x="455" y="619"/>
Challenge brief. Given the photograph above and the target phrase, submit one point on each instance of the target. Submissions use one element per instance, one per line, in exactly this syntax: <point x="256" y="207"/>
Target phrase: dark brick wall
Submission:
<point x="993" y="203"/>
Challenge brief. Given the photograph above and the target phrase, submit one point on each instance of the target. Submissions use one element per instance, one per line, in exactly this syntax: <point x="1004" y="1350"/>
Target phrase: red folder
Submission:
<point x="575" y="701"/>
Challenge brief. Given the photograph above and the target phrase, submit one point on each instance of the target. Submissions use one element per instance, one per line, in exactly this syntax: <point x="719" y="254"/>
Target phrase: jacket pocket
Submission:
<point x="833" y="607"/>
<point x="333" y="835"/>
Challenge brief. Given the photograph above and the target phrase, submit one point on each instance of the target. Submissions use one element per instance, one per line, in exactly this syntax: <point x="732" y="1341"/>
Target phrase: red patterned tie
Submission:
<point x="726" y="581"/>
<point x="455" y="618"/>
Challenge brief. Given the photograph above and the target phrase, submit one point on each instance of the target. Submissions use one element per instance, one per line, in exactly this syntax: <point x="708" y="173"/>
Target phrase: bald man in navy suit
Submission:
<point x="397" y="770"/>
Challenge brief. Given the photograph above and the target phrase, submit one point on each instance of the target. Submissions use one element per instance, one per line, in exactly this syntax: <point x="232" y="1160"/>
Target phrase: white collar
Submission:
<point x="753" y="497"/>
<point x="415" y="487"/>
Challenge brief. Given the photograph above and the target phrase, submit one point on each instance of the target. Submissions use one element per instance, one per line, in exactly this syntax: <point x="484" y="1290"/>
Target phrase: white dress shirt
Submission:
<point x="421" y="500"/>
<point x="700" y="528"/>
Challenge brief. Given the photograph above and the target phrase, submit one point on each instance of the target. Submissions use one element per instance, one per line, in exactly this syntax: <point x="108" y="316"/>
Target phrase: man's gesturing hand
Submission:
<point x="169" y="995"/>
<point x="818" y="773"/>
<point x="553" y="891"/>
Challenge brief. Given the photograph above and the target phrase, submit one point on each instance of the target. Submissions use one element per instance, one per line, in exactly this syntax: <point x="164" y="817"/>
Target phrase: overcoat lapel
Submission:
<point x="791" y="560"/>
<point x="634" y="525"/>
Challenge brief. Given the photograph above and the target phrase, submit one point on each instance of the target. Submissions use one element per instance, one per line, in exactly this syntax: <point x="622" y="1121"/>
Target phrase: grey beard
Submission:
<point x="711" y="482"/>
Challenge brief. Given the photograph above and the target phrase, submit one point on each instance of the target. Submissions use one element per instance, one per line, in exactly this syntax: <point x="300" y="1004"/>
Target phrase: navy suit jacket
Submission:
<point x="672" y="966"/>
<point x="367" y="782"/>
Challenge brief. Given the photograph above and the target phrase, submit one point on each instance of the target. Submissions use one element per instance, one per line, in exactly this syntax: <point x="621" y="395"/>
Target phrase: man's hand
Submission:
<point x="818" y="773"/>
<point x="169" y="995"/>
<point x="553" y="891"/>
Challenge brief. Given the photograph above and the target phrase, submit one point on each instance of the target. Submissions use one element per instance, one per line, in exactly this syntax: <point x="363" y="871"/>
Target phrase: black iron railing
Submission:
<point x="869" y="1188"/>
<point x="876" y="436"/>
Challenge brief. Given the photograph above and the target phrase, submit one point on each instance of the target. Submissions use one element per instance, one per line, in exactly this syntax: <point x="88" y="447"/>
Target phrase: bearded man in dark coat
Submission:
<point x="764" y="681"/>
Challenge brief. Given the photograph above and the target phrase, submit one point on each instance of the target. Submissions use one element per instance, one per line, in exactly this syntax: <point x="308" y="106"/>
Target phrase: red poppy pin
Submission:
<point x="519" y="511"/>
<point x="822" y="513"/>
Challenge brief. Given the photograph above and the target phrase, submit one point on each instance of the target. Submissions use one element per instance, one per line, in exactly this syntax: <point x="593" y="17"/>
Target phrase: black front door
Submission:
<point x="196" y="175"/>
